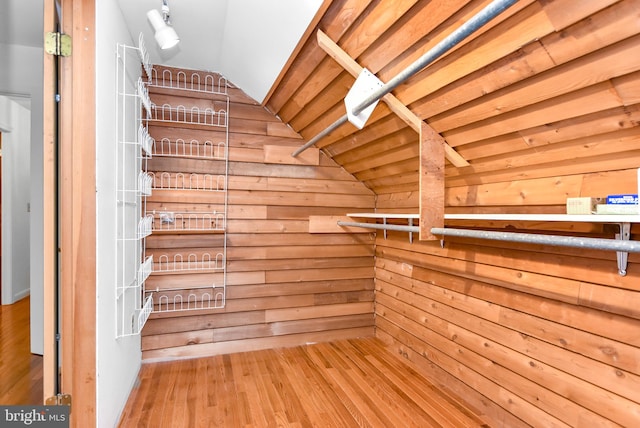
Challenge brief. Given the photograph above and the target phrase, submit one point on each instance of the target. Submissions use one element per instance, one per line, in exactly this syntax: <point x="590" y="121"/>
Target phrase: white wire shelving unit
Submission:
<point x="178" y="291"/>
<point x="133" y="186"/>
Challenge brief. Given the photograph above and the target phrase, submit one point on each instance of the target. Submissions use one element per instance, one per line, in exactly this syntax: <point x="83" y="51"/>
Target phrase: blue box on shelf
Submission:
<point x="628" y="199"/>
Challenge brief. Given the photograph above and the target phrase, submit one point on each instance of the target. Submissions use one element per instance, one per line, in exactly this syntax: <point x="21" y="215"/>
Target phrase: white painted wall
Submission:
<point x="118" y="360"/>
<point x="21" y="74"/>
<point x="248" y="41"/>
<point x="277" y="28"/>
<point x="15" y="127"/>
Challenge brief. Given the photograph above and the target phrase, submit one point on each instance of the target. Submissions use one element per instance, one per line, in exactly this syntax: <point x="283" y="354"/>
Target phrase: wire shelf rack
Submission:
<point x="211" y="114"/>
<point x="187" y="221"/>
<point x="145" y="183"/>
<point x="133" y="185"/>
<point x="208" y="83"/>
<point x="145" y="269"/>
<point x="191" y="262"/>
<point x="145" y="226"/>
<point x="208" y="116"/>
<point x="147" y="143"/>
<point x="188" y="299"/>
<point x="143" y="314"/>
<point x="190" y="148"/>
<point x="182" y="181"/>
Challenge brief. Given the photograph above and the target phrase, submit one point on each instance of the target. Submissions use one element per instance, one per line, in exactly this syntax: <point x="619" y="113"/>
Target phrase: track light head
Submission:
<point x="165" y="34"/>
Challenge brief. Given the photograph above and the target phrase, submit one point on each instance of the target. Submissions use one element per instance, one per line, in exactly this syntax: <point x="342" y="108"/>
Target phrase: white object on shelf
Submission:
<point x="582" y="205"/>
<point x="167" y="217"/>
<point x="617" y="209"/>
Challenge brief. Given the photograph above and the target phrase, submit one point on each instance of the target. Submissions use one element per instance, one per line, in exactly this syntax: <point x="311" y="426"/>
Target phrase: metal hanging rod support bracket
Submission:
<point x="476" y="22"/>
<point x="623" y="256"/>
<point x="385" y="227"/>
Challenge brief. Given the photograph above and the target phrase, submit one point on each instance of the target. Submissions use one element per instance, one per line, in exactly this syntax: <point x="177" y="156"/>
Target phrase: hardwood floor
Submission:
<point x="20" y="371"/>
<point x="349" y="383"/>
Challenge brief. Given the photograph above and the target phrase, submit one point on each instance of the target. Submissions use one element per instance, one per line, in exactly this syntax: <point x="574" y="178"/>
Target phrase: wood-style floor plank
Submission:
<point x="20" y="371"/>
<point x="347" y="383"/>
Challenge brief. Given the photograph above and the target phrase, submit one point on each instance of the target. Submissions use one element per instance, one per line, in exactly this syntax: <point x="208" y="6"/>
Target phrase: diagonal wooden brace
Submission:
<point x="433" y="148"/>
<point x="349" y="64"/>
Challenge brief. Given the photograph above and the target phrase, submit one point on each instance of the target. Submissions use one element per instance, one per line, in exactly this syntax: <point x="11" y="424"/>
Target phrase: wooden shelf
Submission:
<point x="382" y="215"/>
<point x="592" y="218"/>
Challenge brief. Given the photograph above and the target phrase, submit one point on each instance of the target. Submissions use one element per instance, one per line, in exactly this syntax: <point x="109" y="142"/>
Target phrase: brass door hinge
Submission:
<point x="59" y="400"/>
<point x="57" y="44"/>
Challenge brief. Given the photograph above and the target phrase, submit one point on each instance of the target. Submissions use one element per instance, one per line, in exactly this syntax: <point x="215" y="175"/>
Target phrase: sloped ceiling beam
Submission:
<point x="349" y="64"/>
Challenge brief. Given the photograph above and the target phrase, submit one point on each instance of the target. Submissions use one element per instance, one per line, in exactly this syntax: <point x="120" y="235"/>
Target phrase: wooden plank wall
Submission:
<point x="543" y="102"/>
<point x="544" y="105"/>
<point x="285" y="286"/>
<point x="543" y="334"/>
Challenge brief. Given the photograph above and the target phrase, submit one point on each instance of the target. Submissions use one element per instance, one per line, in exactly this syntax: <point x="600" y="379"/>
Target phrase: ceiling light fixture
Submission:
<point x="165" y="35"/>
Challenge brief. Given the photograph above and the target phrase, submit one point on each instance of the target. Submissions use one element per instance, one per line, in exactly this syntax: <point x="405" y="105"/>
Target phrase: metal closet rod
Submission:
<point x="396" y="227"/>
<point x="533" y="238"/>
<point x="528" y="238"/>
<point x="477" y="21"/>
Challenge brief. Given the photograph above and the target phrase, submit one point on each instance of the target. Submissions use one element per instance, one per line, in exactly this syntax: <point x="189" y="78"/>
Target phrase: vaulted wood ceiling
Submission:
<point x="549" y="88"/>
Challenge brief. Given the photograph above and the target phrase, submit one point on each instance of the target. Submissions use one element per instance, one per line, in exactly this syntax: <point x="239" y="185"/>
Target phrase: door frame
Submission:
<point x="70" y="223"/>
<point x="49" y="191"/>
